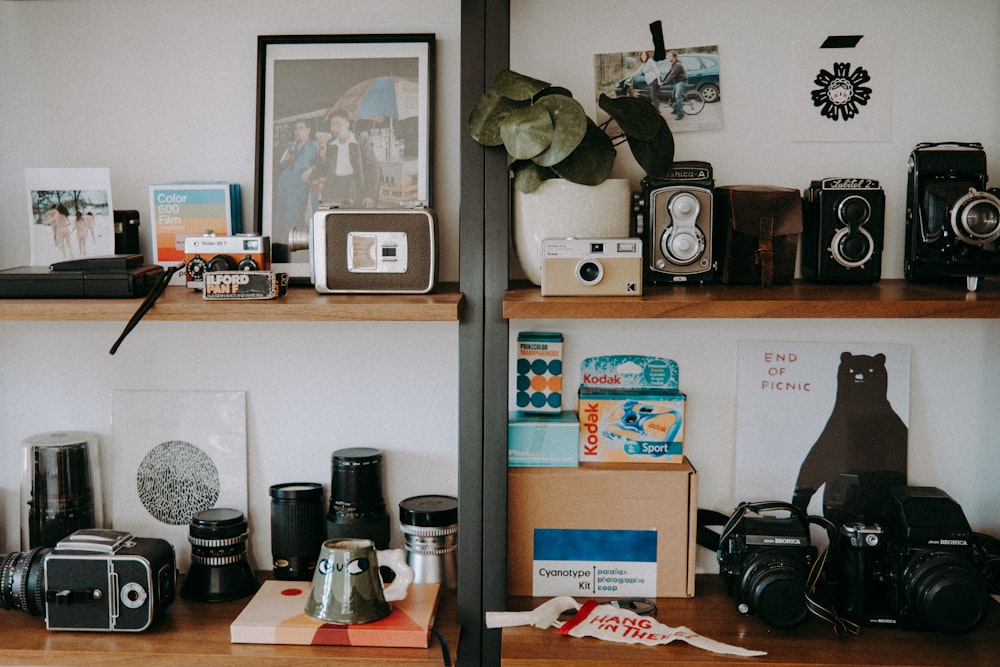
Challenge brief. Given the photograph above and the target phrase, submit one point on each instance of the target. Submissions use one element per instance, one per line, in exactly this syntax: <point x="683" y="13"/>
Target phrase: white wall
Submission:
<point x="946" y="70"/>
<point x="164" y="91"/>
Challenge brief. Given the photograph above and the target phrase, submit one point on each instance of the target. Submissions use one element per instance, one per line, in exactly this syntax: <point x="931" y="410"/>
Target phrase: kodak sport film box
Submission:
<point x="630" y="410"/>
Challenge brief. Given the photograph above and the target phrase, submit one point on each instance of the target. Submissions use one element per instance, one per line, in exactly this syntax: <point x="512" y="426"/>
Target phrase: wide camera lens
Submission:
<point x="947" y="593"/>
<point x="589" y="271"/>
<point x="219" y="569"/>
<point x="774" y="585"/>
<point x="22" y="582"/>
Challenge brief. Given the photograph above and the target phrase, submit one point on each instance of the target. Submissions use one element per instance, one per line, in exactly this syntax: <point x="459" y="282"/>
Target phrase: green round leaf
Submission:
<point x="484" y="122"/>
<point x="527" y="131"/>
<point x="569" y="123"/>
<point x="635" y="116"/>
<point x="516" y="86"/>
<point x="591" y="162"/>
<point x="528" y="176"/>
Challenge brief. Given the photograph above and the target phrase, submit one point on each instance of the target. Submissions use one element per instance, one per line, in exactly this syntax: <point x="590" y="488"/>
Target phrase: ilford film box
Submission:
<point x="602" y="530"/>
<point x="630" y="410"/>
<point x="543" y="440"/>
<point x="539" y="372"/>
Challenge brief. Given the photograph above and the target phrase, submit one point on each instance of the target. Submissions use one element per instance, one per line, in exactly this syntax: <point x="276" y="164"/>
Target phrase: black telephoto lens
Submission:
<point x="357" y="508"/>
<point x="62" y="498"/>
<point x="219" y="569"/>
<point x="297" y="531"/>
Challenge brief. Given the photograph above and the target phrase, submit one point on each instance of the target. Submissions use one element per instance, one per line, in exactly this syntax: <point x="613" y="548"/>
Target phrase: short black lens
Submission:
<point x="590" y="272"/>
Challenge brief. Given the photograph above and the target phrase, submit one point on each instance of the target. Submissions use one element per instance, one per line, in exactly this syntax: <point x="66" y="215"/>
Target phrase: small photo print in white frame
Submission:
<point x="176" y="453"/>
<point x="71" y="214"/>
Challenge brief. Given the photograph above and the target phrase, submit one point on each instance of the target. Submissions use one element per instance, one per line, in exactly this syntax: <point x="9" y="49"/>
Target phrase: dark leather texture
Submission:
<point x="756" y="230"/>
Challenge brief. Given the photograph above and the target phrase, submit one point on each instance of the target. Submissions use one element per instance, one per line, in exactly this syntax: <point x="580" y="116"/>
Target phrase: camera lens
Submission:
<point x="430" y="527"/>
<point x="976" y="217"/>
<point x="589" y="271"/>
<point x="775" y="587"/>
<point x="296" y="529"/>
<point x="357" y="508"/>
<point x="22" y="581"/>
<point x="219" y="569"/>
<point x="854" y="211"/>
<point x="947" y="592"/>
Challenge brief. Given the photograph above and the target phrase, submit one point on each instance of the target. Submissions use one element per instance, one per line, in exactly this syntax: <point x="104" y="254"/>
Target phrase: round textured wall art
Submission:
<point x="175" y="480"/>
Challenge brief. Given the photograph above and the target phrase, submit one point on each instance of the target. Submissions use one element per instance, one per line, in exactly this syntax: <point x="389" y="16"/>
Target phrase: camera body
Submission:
<point x="678" y="224"/>
<point x="209" y="252"/>
<point x="370" y="250"/>
<point x="915" y="569"/>
<point x="952" y="220"/>
<point x="842" y="231"/>
<point x="591" y="267"/>
<point x="93" y="580"/>
<point x="764" y="563"/>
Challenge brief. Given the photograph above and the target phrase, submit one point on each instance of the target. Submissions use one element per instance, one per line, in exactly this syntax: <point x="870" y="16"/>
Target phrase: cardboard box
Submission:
<point x="630" y="410"/>
<point x="602" y="530"/>
<point x="543" y="440"/>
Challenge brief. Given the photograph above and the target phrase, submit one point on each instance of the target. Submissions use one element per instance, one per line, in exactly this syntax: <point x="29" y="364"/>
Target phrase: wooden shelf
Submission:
<point x="300" y="304"/>
<point x="197" y="633"/>
<point x="888" y="298"/>
<point x="713" y="614"/>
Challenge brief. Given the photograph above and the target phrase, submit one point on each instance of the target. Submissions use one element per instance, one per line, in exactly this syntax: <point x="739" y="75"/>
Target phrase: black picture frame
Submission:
<point x="384" y="83"/>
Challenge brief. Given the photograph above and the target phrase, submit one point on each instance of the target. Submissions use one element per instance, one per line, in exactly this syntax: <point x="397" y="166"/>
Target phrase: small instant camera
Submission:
<point x="678" y="224"/>
<point x="591" y="267"/>
<point x="370" y="250"/>
<point x="952" y="220"/>
<point x="209" y="252"/>
<point x="842" y="230"/>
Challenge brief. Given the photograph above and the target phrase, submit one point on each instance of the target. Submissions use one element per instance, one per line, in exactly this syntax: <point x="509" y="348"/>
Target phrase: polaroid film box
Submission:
<point x="630" y="410"/>
<point x="539" y="372"/>
<point x="543" y="440"/>
<point x="602" y="530"/>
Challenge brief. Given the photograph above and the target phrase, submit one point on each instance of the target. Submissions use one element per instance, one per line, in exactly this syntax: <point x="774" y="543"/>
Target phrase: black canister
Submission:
<point x="430" y="527"/>
<point x="297" y="531"/>
<point x="357" y="508"/>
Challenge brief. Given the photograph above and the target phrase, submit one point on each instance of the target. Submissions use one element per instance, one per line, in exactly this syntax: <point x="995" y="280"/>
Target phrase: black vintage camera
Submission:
<point x="93" y="579"/>
<point x="915" y="569"/>
<point x="952" y="220"/>
<point x="765" y="563"/>
<point x="842" y="231"/>
<point x="677" y="235"/>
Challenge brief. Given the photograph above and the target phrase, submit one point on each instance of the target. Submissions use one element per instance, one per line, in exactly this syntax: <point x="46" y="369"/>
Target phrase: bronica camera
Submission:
<point x="915" y="568"/>
<point x="93" y="579"/>
<point x="678" y="224"/>
<point x="591" y="267"/>
<point x="842" y="231"/>
<point x="764" y="562"/>
<point x="210" y="252"/>
<point x="370" y="250"/>
<point x="952" y="220"/>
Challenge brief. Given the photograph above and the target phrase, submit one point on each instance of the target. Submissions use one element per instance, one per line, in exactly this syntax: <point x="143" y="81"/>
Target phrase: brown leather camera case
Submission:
<point x="756" y="233"/>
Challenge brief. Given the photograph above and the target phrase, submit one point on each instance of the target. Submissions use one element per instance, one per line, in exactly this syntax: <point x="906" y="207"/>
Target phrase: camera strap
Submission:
<point x="146" y="304"/>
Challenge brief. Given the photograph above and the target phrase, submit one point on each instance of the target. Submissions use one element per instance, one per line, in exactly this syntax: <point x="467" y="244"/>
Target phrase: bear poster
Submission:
<point x="822" y="425"/>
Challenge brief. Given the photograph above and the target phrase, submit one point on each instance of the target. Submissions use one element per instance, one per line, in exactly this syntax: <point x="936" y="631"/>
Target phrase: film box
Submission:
<point x="630" y="410"/>
<point x="602" y="530"/>
<point x="539" y="372"/>
<point x="535" y="440"/>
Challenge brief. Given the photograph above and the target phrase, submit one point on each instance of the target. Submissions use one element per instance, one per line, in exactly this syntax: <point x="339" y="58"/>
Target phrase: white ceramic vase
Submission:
<point x="561" y="209"/>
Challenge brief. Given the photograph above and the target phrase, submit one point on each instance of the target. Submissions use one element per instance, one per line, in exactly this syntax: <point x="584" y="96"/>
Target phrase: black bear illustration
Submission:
<point x="862" y="450"/>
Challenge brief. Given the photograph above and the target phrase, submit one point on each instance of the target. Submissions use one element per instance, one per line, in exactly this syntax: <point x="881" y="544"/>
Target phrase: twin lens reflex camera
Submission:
<point x="678" y="224"/>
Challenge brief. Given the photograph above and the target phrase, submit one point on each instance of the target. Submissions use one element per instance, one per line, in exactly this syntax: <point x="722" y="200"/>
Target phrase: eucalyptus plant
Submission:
<point x="547" y="133"/>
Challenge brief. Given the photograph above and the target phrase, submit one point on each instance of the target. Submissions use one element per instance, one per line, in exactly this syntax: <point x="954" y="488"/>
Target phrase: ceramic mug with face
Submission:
<point x="347" y="587"/>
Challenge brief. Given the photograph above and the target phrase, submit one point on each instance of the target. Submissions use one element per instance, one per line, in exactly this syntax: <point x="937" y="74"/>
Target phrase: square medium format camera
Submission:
<point x="210" y="252"/>
<point x="678" y="224"/>
<point x="843" y="223"/>
<point x="913" y="569"/>
<point x="93" y="579"/>
<point x="952" y="220"/>
<point x="370" y="250"/>
<point x="592" y="267"/>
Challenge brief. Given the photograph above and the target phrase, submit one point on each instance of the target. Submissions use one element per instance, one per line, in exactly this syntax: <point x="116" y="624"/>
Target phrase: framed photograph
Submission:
<point x="342" y="120"/>
<point x="71" y="214"/>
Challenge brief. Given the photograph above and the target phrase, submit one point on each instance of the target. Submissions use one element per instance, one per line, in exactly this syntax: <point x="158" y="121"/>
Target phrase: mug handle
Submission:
<point x="395" y="560"/>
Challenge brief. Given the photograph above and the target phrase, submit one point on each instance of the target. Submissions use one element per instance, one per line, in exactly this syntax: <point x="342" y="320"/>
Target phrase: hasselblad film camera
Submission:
<point x="677" y="224"/>
<point x="93" y="579"/>
<point x="914" y="568"/>
<point x="842" y="231"/>
<point x="952" y="220"/>
<point x="370" y="250"/>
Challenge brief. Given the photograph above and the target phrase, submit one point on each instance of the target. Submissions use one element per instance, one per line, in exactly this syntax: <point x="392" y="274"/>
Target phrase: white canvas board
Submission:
<point x="175" y="453"/>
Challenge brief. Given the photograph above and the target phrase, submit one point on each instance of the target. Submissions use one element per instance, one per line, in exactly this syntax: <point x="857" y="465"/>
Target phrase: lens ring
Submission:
<point x="683" y="245"/>
<point x="975" y="217"/>
<point x="589" y="271"/>
<point x="844" y="255"/>
<point x="854" y="210"/>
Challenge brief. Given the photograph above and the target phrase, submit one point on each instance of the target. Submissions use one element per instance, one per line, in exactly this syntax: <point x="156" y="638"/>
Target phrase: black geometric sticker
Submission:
<point x="841" y="91"/>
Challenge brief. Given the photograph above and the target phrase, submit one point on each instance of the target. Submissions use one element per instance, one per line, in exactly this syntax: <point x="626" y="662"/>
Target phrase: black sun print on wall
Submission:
<point x="841" y="92"/>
